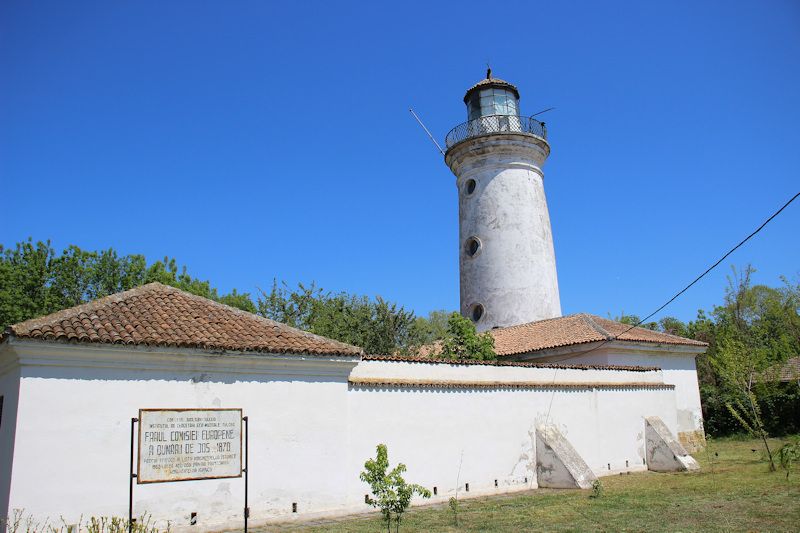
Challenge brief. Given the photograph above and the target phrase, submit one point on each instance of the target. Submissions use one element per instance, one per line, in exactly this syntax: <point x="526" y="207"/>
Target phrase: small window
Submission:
<point x="472" y="246"/>
<point x="476" y="312"/>
<point x="469" y="187"/>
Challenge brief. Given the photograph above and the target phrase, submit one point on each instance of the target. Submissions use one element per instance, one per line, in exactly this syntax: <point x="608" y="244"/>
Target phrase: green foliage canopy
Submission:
<point x="378" y="326"/>
<point x="35" y="280"/>
<point x="462" y="341"/>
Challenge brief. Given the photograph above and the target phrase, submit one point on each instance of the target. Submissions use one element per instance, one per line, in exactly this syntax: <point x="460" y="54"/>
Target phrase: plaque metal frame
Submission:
<point x="244" y="448"/>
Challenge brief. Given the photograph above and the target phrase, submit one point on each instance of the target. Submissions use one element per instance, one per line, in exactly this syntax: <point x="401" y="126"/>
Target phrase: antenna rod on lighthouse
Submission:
<point x="426" y="131"/>
<point x="543" y="111"/>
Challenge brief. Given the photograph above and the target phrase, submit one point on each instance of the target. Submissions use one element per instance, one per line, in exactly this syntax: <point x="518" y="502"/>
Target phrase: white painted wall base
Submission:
<point x="677" y="364"/>
<point x="312" y="426"/>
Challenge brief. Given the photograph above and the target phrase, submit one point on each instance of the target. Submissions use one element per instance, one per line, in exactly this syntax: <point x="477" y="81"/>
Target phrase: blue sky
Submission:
<point x="261" y="140"/>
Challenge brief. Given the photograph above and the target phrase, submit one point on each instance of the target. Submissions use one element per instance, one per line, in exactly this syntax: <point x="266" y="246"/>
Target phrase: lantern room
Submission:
<point x="491" y="96"/>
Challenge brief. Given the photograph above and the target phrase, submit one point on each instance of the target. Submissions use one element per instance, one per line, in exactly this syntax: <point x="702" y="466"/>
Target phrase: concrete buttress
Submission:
<point x="664" y="452"/>
<point x="558" y="465"/>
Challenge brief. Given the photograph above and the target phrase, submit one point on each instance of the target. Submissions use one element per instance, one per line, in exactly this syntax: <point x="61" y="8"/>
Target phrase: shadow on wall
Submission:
<point x="9" y="393"/>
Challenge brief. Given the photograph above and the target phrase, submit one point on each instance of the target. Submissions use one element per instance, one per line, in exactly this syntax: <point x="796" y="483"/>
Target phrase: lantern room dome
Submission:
<point x="491" y="83"/>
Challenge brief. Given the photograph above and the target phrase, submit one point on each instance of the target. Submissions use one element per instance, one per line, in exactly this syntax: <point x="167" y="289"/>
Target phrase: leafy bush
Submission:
<point x="453" y="504"/>
<point x="597" y="489"/>
<point x="462" y="341"/>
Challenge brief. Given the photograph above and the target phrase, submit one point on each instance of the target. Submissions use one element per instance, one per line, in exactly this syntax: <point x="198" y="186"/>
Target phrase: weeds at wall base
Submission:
<point x="19" y="522"/>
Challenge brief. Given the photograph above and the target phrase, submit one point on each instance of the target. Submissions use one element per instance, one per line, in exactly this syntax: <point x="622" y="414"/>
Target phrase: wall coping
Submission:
<point x="378" y="383"/>
<point x="527" y="364"/>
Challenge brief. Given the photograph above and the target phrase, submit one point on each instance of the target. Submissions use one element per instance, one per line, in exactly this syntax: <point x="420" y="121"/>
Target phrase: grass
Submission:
<point x="733" y="492"/>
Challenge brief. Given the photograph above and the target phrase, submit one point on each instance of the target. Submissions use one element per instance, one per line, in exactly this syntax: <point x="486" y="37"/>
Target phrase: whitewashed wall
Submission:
<point x="678" y="368"/>
<point x="310" y="431"/>
<point x="73" y="431"/>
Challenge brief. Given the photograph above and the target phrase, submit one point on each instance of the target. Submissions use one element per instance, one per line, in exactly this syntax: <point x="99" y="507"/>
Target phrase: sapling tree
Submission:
<point x="390" y="492"/>
<point x="788" y="455"/>
<point x="754" y="333"/>
<point x="597" y="489"/>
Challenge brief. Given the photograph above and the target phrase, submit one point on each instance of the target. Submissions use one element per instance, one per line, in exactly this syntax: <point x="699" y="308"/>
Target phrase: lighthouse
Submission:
<point x="506" y="258"/>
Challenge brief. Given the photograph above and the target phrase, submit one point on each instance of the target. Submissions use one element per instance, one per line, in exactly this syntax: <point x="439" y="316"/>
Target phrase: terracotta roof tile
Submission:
<point x="158" y="315"/>
<point x="575" y="329"/>
<point x="789" y="371"/>
<point x="444" y="384"/>
<point x="527" y="364"/>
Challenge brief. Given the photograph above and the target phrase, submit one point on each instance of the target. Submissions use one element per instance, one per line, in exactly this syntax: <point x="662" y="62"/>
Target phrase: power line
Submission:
<point x="701" y="276"/>
<point x="698" y="278"/>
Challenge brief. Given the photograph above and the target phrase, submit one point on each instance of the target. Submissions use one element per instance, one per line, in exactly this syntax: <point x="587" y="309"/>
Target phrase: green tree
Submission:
<point x="35" y="281"/>
<point x="738" y="367"/>
<point x="429" y="330"/>
<point x="673" y="326"/>
<point x="462" y="341"/>
<point x="378" y="326"/>
<point x="633" y="320"/>
<point x="390" y="492"/>
<point x="24" y="281"/>
<point x="240" y="300"/>
<point x="755" y="332"/>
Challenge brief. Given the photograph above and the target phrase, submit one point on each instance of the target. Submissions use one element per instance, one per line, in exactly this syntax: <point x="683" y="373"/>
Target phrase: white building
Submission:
<point x="72" y="381"/>
<point x="571" y="398"/>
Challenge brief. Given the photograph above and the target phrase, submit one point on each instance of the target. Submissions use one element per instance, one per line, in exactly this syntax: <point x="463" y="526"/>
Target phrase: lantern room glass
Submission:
<point x="492" y="101"/>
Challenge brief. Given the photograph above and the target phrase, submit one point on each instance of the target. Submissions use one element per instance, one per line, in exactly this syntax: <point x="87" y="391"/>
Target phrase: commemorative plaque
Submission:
<point x="189" y="444"/>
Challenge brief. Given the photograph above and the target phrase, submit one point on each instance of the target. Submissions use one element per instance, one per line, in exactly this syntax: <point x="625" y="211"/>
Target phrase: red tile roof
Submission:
<point x="575" y="329"/>
<point x="382" y="383"/>
<point x="791" y="370"/>
<point x="528" y="364"/>
<point x="158" y="315"/>
<point x="788" y="371"/>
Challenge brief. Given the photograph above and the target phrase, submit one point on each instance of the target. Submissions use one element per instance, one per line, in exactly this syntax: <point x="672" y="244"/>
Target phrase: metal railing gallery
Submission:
<point x="495" y="124"/>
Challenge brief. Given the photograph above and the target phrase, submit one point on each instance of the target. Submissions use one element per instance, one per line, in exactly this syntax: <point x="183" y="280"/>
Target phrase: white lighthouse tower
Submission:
<point x="506" y="257"/>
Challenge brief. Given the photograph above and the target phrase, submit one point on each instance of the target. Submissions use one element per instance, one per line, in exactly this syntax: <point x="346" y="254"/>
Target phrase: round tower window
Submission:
<point x="476" y="312"/>
<point x="473" y="246"/>
<point x="469" y="187"/>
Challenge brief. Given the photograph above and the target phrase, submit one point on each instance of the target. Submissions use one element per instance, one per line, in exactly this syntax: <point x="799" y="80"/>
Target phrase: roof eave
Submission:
<point x="14" y="340"/>
<point x="620" y="345"/>
<point x="490" y="83"/>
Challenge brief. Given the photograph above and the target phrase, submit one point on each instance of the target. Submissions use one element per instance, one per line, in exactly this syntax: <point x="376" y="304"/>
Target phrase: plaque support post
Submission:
<point x="132" y="477"/>
<point x="246" y="470"/>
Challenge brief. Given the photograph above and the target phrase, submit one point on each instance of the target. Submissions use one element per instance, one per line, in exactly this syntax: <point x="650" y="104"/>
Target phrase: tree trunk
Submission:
<point x="757" y="420"/>
<point x="769" y="452"/>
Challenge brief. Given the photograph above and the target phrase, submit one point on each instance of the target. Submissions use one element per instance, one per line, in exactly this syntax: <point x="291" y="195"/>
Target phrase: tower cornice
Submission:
<point x="508" y="150"/>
